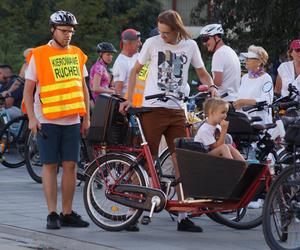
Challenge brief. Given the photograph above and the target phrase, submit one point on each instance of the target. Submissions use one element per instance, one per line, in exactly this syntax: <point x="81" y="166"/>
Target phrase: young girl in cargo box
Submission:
<point x="213" y="132"/>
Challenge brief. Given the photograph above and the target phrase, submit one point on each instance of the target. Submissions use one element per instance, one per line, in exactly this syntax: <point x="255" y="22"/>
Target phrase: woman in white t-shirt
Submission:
<point x="289" y="72"/>
<point x="169" y="55"/>
<point x="256" y="85"/>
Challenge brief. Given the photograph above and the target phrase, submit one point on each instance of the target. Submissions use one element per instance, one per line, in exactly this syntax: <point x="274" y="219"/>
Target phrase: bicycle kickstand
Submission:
<point x="155" y="201"/>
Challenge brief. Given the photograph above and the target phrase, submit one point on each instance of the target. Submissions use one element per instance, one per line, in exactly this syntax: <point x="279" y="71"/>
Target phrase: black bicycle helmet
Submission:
<point x="63" y="18"/>
<point x="106" y="47"/>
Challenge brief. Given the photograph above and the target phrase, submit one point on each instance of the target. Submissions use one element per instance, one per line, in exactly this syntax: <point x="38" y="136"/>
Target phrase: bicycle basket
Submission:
<point x="292" y="135"/>
<point x="107" y="124"/>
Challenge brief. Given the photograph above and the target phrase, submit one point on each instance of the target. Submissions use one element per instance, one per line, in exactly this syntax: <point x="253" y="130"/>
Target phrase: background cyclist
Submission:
<point x="100" y="78"/>
<point x="225" y="65"/>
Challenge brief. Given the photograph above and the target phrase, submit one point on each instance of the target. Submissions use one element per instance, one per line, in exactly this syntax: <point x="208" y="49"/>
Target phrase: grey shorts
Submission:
<point x="59" y="143"/>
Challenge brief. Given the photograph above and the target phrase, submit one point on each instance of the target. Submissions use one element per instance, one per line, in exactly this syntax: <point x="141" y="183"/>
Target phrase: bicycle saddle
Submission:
<point x="135" y="111"/>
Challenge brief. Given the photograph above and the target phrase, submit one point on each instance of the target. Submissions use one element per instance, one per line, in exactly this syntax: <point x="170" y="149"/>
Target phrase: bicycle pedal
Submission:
<point x="145" y="220"/>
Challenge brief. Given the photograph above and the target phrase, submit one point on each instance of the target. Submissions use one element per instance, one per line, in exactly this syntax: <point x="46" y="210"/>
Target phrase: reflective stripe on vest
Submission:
<point x="23" y="108"/>
<point x="60" y="74"/>
<point x="63" y="97"/>
<point x="137" y="98"/>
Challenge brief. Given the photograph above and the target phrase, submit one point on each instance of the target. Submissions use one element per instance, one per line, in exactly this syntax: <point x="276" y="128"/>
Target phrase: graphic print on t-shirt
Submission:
<point x="170" y="67"/>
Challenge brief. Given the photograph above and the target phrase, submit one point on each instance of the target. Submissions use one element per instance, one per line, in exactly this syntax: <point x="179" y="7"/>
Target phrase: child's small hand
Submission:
<point x="224" y="124"/>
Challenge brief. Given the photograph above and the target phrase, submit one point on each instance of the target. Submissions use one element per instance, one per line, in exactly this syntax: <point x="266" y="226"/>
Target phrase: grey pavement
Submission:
<point x="23" y="219"/>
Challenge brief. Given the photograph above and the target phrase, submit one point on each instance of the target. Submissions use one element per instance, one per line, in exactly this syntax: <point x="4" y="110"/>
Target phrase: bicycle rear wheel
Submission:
<point x="281" y="213"/>
<point x="35" y="167"/>
<point x="32" y="158"/>
<point x="250" y="216"/>
<point x="12" y="141"/>
<point x="103" y="172"/>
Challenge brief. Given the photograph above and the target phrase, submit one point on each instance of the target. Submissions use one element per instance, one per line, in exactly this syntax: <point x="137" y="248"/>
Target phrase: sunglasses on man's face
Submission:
<point x="204" y="39"/>
<point x="297" y="50"/>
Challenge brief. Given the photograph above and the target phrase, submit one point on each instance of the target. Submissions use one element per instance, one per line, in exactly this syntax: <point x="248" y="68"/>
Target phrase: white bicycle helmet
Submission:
<point x="211" y="30"/>
<point x="64" y="18"/>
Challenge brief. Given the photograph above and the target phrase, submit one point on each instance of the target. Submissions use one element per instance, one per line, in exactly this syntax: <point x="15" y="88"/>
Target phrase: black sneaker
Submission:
<point x="133" y="228"/>
<point x="72" y="220"/>
<point x="188" y="226"/>
<point x="53" y="221"/>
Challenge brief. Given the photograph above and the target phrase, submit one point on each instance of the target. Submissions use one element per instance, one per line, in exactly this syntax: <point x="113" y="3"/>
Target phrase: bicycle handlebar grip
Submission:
<point x="223" y="95"/>
<point x="247" y="108"/>
<point x="288" y="104"/>
<point x="156" y="96"/>
<point x="202" y="88"/>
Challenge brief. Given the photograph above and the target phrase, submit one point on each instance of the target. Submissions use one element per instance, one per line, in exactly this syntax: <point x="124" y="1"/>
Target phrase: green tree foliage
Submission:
<point x="25" y="23"/>
<point x="269" y="23"/>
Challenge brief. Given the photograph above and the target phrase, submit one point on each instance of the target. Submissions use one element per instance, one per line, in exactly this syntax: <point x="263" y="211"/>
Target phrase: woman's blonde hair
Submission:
<point x="174" y="21"/>
<point x="261" y="52"/>
<point x="212" y="104"/>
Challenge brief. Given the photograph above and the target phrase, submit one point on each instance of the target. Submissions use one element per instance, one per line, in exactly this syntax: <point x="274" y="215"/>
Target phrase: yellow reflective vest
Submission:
<point x="137" y="98"/>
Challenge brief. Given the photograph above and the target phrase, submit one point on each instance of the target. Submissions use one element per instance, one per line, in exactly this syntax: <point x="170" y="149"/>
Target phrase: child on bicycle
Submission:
<point x="213" y="131"/>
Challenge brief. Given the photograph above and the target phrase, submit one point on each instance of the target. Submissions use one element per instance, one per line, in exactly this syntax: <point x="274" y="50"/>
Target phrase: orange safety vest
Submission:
<point x="60" y="73"/>
<point x="138" y="94"/>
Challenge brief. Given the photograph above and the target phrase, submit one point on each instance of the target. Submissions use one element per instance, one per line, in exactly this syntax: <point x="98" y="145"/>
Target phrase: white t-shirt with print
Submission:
<point x="286" y="71"/>
<point x="206" y="134"/>
<point x="260" y="89"/>
<point x="225" y="60"/>
<point x="31" y="74"/>
<point x="121" y="70"/>
<point x="168" y="68"/>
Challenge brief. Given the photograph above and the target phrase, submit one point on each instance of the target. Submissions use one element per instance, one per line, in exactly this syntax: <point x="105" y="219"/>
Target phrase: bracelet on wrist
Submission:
<point x="213" y="86"/>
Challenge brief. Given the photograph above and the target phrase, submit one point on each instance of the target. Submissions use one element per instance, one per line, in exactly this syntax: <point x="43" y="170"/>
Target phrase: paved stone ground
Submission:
<point x="23" y="218"/>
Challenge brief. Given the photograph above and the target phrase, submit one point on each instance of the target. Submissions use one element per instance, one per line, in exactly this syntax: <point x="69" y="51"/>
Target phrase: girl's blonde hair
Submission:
<point x="212" y="104"/>
<point x="261" y="52"/>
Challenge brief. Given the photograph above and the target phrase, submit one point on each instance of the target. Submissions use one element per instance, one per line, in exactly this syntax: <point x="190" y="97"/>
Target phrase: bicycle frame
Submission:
<point x="186" y="205"/>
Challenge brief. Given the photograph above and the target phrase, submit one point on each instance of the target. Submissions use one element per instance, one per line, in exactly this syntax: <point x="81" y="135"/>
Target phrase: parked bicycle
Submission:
<point x="126" y="188"/>
<point x="281" y="213"/>
<point x="12" y="138"/>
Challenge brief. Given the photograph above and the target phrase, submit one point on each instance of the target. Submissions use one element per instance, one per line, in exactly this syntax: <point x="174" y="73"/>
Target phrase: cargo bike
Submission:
<point x="117" y="189"/>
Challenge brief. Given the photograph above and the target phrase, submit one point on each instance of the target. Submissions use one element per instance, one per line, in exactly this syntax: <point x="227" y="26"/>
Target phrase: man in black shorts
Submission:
<point x="57" y="70"/>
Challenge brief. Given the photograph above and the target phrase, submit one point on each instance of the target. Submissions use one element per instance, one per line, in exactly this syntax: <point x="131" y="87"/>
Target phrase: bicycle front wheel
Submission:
<point x="281" y="213"/>
<point x="166" y="172"/>
<point x="103" y="172"/>
<point x="12" y="142"/>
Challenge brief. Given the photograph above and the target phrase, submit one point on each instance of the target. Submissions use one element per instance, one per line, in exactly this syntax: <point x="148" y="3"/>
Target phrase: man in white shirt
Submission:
<point x="225" y="67"/>
<point x="130" y="43"/>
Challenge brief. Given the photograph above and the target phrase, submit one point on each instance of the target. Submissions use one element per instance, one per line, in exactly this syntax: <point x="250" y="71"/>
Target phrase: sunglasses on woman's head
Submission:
<point x="204" y="39"/>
